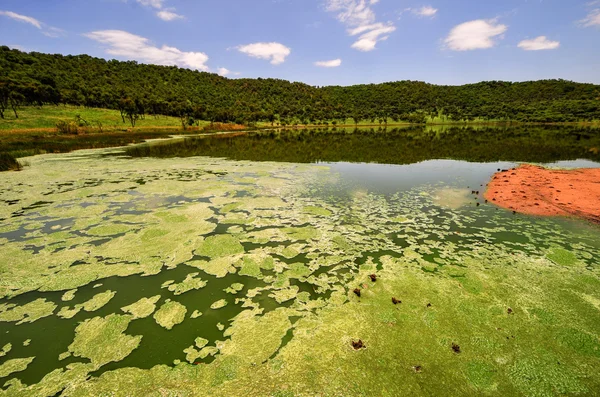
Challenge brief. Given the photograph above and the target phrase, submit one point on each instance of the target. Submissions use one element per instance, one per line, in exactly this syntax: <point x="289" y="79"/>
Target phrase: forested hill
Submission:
<point x="138" y="89"/>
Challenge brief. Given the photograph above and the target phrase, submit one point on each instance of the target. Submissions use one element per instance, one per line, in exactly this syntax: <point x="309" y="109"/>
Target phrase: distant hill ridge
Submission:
<point x="138" y="89"/>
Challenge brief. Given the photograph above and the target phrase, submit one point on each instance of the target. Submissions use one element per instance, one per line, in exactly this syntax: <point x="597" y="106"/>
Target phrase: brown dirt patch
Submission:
<point x="534" y="190"/>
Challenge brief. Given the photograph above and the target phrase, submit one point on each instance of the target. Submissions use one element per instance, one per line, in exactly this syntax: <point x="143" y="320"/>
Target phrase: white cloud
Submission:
<point x="539" y="43"/>
<point x="158" y="4"/>
<point x="372" y="34"/>
<point x="334" y="63"/>
<point x="168" y="16"/>
<point x="54" y="32"/>
<point x="130" y="46"/>
<point x="22" y="18"/>
<point x="425" y="11"/>
<point x="45" y="29"/>
<point x="592" y="18"/>
<point x="274" y="52"/>
<point x="475" y="35"/>
<point x="223" y="71"/>
<point x="361" y="21"/>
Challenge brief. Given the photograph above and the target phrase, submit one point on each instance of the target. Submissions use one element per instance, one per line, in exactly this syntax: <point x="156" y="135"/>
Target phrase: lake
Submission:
<point x="243" y="266"/>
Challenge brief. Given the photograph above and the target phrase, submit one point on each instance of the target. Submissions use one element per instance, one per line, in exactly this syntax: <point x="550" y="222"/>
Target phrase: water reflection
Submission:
<point x="542" y="144"/>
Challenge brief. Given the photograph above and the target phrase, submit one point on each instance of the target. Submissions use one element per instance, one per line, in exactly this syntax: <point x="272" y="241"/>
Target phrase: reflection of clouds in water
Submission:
<point x="451" y="197"/>
<point x="359" y="194"/>
<point x="155" y="201"/>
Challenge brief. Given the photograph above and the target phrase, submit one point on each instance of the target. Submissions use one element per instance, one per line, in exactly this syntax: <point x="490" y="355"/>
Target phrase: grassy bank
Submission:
<point x="46" y="117"/>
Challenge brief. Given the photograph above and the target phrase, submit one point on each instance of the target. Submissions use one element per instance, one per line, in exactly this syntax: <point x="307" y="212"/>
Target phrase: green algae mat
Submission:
<point x="203" y="276"/>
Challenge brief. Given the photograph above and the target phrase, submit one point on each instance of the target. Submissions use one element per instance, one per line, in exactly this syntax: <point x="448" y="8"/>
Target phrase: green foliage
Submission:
<point x="8" y="162"/>
<point x="138" y="90"/>
<point x="66" y="127"/>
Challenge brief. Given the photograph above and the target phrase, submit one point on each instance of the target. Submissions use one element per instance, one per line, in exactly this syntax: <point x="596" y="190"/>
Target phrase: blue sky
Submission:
<point x="324" y="42"/>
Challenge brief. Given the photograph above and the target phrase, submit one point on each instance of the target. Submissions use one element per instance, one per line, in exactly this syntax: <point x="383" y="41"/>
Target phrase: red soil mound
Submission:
<point x="535" y="190"/>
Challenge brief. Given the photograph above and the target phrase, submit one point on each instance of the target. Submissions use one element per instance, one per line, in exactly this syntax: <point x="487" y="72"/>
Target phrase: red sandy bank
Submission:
<point x="534" y="190"/>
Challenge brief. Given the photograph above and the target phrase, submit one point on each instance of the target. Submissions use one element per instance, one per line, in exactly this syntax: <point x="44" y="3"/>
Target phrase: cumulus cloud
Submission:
<point x="130" y="46"/>
<point x="425" y="11"/>
<point x="223" y="71"/>
<point x="274" y="52"/>
<point x="475" y="35"/>
<point x="539" y="43"/>
<point x="592" y="18"/>
<point x="22" y="18"/>
<point x="334" y="63"/>
<point x="168" y="16"/>
<point x="361" y="21"/>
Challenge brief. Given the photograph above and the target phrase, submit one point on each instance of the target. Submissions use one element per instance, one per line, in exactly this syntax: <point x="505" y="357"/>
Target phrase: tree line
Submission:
<point x="140" y="90"/>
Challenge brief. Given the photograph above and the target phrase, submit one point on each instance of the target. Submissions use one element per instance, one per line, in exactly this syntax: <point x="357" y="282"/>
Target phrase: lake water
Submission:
<point x="255" y="245"/>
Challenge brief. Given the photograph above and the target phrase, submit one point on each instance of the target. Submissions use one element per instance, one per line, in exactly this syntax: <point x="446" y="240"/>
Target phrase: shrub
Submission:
<point x="66" y="127"/>
<point x="8" y="163"/>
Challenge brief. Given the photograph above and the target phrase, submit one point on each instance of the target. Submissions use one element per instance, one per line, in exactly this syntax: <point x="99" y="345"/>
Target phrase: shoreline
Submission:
<point x="292" y="127"/>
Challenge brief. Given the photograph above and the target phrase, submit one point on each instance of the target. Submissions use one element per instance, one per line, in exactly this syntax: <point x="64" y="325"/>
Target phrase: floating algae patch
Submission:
<point x="301" y="243"/>
<point x="302" y="233"/>
<point x="285" y="294"/>
<point x="66" y="312"/>
<point x="562" y="257"/>
<point x="191" y="354"/>
<point x="14" y="365"/>
<point x="170" y="314"/>
<point x="221" y="303"/>
<point x="5" y="349"/>
<point x="234" y="288"/>
<point x="142" y="308"/>
<point x="108" y="230"/>
<point x="191" y="282"/>
<point x="545" y="376"/>
<point x="200" y="342"/>
<point x="312" y="210"/>
<point x="69" y="295"/>
<point x="254" y="339"/>
<point x="29" y="312"/>
<point x="98" y="301"/>
<point x="220" y="246"/>
<point x="102" y="339"/>
<point x="218" y="267"/>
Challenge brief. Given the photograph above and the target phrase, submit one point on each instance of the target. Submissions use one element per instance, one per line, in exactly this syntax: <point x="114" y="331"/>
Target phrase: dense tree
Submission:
<point x="138" y="90"/>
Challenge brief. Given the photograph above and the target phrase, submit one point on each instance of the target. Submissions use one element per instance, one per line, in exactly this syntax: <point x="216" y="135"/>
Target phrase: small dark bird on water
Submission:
<point x="357" y="292"/>
<point x="357" y="345"/>
<point x="455" y="348"/>
<point x="373" y="277"/>
<point x="396" y="301"/>
<point x="509" y="311"/>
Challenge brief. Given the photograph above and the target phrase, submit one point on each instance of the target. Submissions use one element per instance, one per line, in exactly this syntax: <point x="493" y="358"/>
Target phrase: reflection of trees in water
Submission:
<point x="393" y="146"/>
